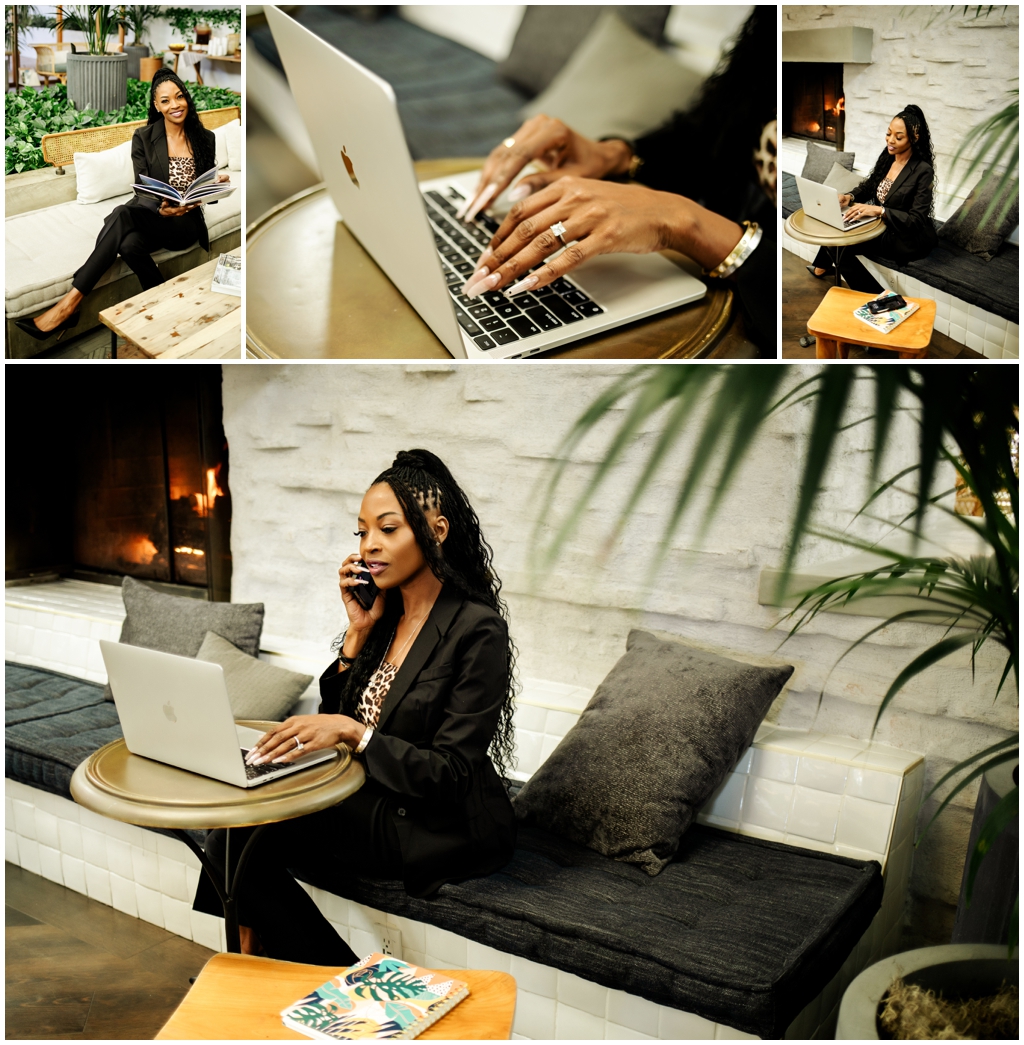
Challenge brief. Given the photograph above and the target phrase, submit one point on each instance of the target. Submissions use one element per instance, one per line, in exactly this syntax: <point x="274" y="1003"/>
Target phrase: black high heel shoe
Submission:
<point x="827" y="274"/>
<point x="43" y="335"/>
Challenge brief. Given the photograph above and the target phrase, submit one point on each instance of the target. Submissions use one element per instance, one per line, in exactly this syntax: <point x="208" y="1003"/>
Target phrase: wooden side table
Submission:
<point x="836" y="327"/>
<point x="113" y="782"/>
<point x="239" y="997"/>
<point x="180" y="319"/>
<point x="312" y="292"/>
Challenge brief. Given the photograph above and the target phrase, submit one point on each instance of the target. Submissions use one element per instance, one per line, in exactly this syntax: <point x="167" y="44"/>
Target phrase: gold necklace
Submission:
<point x="398" y="652"/>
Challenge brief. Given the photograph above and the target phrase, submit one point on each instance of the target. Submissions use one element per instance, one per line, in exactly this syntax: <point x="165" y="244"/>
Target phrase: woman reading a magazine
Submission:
<point x="421" y="692"/>
<point x="174" y="147"/>
<point x="899" y="191"/>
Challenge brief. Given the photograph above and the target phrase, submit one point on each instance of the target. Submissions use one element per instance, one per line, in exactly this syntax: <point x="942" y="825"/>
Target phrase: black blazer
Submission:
<point x="911" y="232"/>
<point x="429" y="751"/>
<point x="149" y="157"/>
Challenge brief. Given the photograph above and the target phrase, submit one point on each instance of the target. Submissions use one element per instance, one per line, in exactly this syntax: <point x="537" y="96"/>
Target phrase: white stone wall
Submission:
<point x="306" y="440"/>
<point x="957" y="70"/>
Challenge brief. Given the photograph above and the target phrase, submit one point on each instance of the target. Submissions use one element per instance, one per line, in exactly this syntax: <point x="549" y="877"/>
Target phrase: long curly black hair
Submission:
<point x="198" y="136"/>
<point x="421" y="481"/>
<point x="920" y="146"/>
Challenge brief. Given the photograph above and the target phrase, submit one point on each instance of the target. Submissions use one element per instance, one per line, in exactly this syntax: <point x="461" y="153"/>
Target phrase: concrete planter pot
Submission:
<point x="965" y="970"/>
<point x="135" y="52"/>
<point x="98" y="81"/>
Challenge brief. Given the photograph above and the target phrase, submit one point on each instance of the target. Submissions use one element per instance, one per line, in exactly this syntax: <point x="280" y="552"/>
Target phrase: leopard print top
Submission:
<point x="368" y="709"/>
<point x="182" y="172"/>
<point x="766" y="159"/>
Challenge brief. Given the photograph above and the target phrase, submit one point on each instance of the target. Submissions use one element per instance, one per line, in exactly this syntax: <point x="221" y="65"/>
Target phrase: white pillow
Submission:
<point x="221" y="135"/>
<point x="616" y="83"/>
<point x="234" y="136"/>
<point x="100" y="175"/>
<point x="842" y="180"/>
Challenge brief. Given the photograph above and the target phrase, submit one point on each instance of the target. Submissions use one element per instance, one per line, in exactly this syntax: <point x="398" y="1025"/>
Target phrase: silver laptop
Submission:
<point x="176" y="710"/>
<point x="822" y="202"/>
<point x="411" y="230"/>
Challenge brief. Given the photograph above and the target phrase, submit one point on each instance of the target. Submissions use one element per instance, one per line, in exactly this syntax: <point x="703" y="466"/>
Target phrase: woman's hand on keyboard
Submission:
<point x="598" y="217"/>
<point x="558" y="147"/>
<point x="315" y="732"/>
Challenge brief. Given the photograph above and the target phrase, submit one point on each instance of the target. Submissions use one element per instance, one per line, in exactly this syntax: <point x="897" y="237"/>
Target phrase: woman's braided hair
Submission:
<point x="920" y="146"/>
<point x="421" y="481"/>
<point x="198" y="136"/>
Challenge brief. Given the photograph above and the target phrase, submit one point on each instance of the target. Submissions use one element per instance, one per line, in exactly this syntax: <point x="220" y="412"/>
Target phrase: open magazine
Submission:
<point x="205" y="189"/>
<point x="227" y="279"/>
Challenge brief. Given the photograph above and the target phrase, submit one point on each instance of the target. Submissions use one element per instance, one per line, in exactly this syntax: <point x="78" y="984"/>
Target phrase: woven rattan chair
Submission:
<point x="59" y="149"/>
<point x="48" y="58"/>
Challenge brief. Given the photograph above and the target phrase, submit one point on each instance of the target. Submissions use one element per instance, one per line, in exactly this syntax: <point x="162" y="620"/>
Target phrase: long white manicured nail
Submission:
<point x="481" y="201"/>
<point x="475" y="278"/>
<point x="523" y="284"/>
<point x="520" y="192"/>
<point x="483" y="257"/>
<point x="281" y="759"/>
<point x="483" y="284"/>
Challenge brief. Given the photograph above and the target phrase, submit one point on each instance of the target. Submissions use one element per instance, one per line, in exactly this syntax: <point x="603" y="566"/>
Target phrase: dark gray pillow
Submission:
<point x="174" y="624"/>
<point x="547" y="37"/>
<point x="818" y="164"/>
<point x="659" y="735"/>
<point x="964" y="228"/>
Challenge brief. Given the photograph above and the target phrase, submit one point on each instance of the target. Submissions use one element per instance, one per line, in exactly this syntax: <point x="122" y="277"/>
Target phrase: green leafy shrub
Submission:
<point x="31" y="114"/>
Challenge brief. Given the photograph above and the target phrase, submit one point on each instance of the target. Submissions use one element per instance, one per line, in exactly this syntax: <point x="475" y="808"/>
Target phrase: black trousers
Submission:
<point x="135" y="233"/>
<point x="355" y="837"/>
<point x="887" y="249"/>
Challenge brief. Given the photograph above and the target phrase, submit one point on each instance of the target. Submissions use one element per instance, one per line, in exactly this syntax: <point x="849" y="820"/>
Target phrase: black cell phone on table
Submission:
<point x="366" y="594"/>
<point x="889" y="304"/>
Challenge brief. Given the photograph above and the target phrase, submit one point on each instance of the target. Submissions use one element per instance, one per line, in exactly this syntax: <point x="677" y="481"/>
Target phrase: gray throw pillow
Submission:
<point x="175" y="624"/>
<point x="820" y="159"/>
<point x="547" y="37"/>
<point x="255" y="689"/>
<point x="659" y="735"/>
<point x="617" y="84"/>
<point x="842" y="180"/>
<point x="965" y="228"/>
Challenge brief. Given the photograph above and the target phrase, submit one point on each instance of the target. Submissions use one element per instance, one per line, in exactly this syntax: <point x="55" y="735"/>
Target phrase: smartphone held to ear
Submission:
<point x="366" y="594"/>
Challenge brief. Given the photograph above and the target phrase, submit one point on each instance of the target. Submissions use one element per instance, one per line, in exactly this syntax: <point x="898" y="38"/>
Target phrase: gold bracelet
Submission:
<point x="748" y="242"/>
<point x="363" y="741"/>
<point x="635" y="163"/>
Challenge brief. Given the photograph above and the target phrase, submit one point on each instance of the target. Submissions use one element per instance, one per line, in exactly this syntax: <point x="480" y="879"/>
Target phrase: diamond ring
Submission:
<point x="509" y="142"/>
<point x="558" y="229"/>
<point x="298" y="744"/>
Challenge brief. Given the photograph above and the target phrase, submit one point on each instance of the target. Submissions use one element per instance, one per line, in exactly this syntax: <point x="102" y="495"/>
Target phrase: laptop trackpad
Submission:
<point x="635" y="281"/>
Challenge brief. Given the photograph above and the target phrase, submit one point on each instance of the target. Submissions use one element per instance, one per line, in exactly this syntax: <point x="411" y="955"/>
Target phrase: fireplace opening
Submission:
<point x="113" y="473"/>
<point x="813" y="103"/>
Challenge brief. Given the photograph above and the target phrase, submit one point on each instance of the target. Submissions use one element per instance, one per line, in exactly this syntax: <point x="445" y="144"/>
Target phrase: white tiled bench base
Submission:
<point x="982" y="331"/>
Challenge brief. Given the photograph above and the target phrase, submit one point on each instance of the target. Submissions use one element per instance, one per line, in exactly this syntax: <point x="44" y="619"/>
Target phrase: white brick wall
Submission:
<point x="958" y="71"/>
<point x="307" y="440"/>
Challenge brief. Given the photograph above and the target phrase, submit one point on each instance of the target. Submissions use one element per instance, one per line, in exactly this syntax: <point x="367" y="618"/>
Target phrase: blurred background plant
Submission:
<point x="96" y="22"/>
<point x="966" y="419"/>
<point x="137" y="19"/>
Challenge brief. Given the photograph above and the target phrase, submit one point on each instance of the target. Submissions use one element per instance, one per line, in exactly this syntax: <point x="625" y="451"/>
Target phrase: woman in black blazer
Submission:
<point x="173" y="147"/>
<point x="421" y="692"/>
<point x="900" y="191"/>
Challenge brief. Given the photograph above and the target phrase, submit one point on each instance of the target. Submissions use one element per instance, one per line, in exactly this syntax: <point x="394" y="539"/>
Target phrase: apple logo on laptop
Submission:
<point x="348" y="166"/>
<point x="169" y="713"/>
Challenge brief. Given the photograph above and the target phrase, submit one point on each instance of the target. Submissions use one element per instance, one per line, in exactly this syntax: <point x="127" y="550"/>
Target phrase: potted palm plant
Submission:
<point x="96" y="80"/>
<point x="136" y="19"/>
<point x="976" y="600"/>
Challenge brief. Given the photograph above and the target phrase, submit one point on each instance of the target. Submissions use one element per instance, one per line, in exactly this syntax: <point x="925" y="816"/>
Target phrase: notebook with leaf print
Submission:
<point x="379" y="997"/>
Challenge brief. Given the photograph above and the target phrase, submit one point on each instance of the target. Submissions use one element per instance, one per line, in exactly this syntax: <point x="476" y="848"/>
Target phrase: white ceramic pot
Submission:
<point x="964" y="969"/>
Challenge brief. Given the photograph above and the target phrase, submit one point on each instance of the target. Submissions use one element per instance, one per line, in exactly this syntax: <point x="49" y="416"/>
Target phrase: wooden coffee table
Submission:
<point x="238" y="997"/>
<point x="836" y="327"/>
<point x="180" y="319"/>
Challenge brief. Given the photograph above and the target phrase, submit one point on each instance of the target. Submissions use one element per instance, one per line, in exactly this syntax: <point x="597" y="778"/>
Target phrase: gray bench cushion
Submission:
<point x="450" y="98"/>
<point x="736" y="930"/>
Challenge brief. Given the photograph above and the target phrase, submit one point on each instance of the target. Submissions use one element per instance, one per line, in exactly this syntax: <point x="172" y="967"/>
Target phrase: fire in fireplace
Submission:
<point x="813" y="104"/>
<point x="124" y="473"/>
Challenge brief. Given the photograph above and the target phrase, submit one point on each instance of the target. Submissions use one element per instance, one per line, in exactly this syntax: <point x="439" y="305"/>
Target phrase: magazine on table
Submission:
<point x="886" y="322"/>
<point x="227" y="279"/>
<point x="205" y="189"/>
<point x="378" y="997"/>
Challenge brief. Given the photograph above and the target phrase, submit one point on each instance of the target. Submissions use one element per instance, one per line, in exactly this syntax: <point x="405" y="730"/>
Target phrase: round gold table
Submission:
<point x="113" y="782"/>
<point x="809" y="230"/>
<point x="312" y="292"/>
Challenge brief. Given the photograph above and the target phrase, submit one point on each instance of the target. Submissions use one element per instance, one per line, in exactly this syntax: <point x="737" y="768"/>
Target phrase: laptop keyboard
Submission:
<point x="493" y="319"/>
<point x="255" y="772"/>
